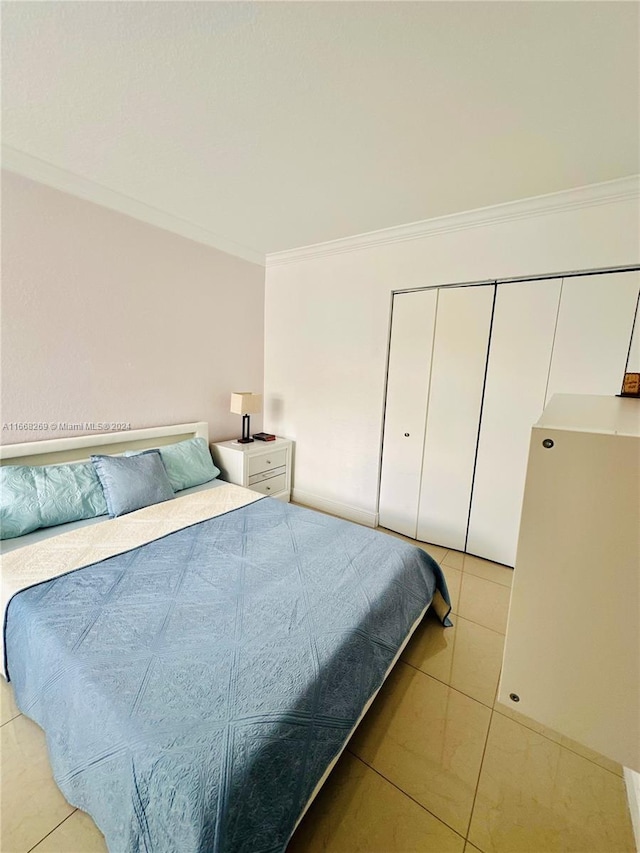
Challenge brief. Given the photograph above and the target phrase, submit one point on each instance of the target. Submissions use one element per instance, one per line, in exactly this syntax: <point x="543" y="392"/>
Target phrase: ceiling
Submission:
<point x="273" y="125"/>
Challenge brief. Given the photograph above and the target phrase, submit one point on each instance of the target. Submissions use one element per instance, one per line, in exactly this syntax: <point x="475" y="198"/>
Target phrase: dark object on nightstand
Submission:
<point x="630" y="385"/>
<point x="264" y="436"/>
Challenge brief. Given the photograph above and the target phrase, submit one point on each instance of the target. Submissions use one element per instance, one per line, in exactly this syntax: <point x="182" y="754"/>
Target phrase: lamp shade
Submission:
<point x="246" y="403"/>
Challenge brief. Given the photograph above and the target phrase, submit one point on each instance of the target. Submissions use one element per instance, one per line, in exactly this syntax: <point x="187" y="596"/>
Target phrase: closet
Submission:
<point x="470" y="370"/>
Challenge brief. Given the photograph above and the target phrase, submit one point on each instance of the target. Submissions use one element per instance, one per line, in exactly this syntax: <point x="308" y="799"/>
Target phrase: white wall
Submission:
<point x="106" y="319"/>
<point x="327" y="313"/>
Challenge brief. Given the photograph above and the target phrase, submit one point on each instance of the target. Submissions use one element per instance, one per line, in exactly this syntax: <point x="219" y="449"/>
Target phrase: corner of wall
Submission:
<point x="632" y="781"/>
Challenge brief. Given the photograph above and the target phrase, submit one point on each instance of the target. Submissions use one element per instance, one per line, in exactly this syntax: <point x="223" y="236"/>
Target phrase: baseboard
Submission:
<point x="632" y="781"/>
<point x="350" y="513"/>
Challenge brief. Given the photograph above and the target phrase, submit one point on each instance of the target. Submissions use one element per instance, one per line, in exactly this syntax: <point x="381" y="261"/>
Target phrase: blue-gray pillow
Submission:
<point x="131" y="482"/>
<point x="33" y="496"/>
<point x="188" y="463"/>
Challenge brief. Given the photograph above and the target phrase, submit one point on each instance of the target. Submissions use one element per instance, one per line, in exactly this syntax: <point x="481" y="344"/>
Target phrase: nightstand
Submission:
<point x="264" y="466"/>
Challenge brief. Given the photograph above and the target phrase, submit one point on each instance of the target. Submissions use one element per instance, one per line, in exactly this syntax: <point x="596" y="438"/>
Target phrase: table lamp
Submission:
<point x="245" y="403"/>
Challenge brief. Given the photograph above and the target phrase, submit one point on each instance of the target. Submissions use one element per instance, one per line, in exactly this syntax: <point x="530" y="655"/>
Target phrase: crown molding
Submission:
<point x="44" y="172"/>
<point x="622" y="189"/>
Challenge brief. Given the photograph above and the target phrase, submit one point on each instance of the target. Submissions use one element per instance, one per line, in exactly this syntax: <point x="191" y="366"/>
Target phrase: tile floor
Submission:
<point x="436" y="765"/>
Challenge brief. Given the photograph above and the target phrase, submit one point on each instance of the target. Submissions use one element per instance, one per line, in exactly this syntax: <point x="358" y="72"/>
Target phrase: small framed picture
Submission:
<point x="631" y="385"/>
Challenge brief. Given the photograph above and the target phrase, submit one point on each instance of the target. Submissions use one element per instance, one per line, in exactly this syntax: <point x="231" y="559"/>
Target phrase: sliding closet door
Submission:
<point x="457" y="378"/>
<point x="412" y="327"/>
<point x="518" y="370"/>
<point x="594" y="330"/>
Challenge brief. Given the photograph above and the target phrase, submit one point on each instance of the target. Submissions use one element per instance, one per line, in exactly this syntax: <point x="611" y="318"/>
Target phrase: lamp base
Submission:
<point x="246" y="431"/>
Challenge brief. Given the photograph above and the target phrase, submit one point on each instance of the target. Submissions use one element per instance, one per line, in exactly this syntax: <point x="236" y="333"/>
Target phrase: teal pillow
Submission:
<point x="132" y="482"/>
<point x="33" y="496"/>
<point x="188" y="463"/>
<point x="19" y="507"/>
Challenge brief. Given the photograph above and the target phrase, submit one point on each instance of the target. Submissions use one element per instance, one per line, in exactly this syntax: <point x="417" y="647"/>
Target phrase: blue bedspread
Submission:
<point x="194" y="690"/>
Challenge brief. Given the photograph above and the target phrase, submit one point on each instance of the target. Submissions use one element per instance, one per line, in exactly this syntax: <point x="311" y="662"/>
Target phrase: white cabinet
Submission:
<point x="264" y="466"/>
<point x="572" y="652"/>
<point x="521" y="346"/>
<point x="470" y="369"/>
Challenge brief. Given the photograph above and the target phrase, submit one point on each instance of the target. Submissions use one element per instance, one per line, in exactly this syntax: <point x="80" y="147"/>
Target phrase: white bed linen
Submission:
<point x="59" y="555"/>
<point x="43" y="533"/>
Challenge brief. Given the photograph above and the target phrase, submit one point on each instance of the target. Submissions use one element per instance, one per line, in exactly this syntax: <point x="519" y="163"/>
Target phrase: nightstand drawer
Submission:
<point x="266" y="475"/>
<point x="271" y="486"/>
<point x="262" y="466"/>
<point x="266" y="462"/>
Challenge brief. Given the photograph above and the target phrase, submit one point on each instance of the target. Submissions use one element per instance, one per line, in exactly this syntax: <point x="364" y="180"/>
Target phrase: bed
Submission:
<point x="199" y="664"/>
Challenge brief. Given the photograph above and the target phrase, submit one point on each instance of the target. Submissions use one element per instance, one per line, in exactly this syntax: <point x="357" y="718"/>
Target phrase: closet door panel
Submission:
<point x="409" y="374"/>
<point x="457" y="378"/>
<point x="595" y="324"/>
<point x="524" y="323"/>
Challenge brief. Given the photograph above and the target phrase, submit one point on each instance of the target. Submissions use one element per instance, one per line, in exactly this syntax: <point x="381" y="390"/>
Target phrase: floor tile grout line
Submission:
<point x="475" y="793"/>
<point x="19" y="714"/>
<point x="446" y="684"/>
<point x="467" y="573"/>
<point x="473" y="699"/>
<point x="484" y="580"/>
<point x="466" y="554"/>
<point x="502" y="633"/>
<point x="52" y="831"/>
<point x="404" y="794"/>
<point x="556" y="742"/>
<point x="473" y="622"/>
<point x="488" y="580"/>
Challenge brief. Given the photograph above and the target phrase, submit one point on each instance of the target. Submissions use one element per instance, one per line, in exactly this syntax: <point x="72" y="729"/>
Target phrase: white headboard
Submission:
<point x="79" y="448"/>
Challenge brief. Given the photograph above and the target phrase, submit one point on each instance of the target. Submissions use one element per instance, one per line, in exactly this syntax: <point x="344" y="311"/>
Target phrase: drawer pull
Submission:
<point x="258" y="464"/>
<point x="273" y="485"/>
<point x="267" y="474"/>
